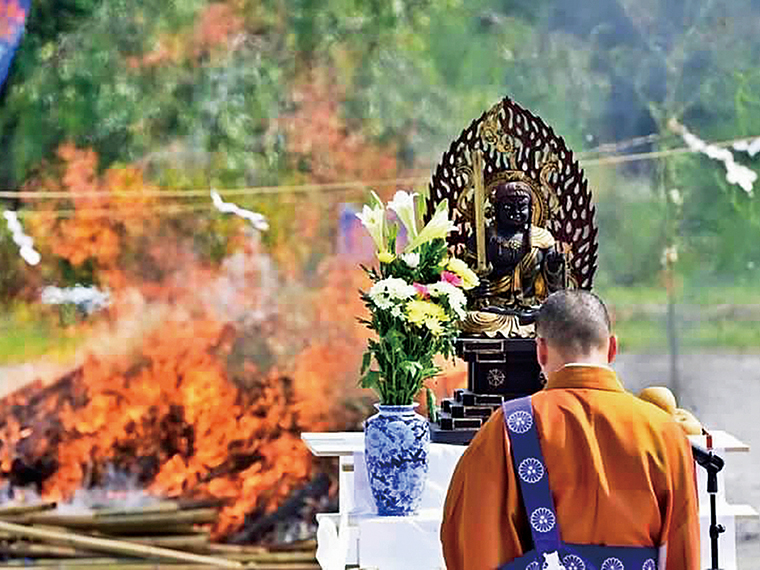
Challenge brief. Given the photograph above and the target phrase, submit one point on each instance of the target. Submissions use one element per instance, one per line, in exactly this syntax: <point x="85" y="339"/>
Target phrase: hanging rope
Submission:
<point x="336" y="187"/>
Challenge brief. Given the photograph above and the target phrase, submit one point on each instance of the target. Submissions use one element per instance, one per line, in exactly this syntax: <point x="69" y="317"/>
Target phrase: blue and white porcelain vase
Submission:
<point x="396" y="443"/>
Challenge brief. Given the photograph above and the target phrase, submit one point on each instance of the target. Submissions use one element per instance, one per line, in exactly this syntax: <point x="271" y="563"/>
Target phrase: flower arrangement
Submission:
<point x="416" y="301"/>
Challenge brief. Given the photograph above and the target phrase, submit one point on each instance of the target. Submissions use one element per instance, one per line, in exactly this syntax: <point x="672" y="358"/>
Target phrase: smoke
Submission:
<point x="86" y="299"/>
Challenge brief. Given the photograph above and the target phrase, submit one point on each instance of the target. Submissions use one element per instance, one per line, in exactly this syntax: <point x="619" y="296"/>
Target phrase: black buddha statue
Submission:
<point x="524" y="266"/>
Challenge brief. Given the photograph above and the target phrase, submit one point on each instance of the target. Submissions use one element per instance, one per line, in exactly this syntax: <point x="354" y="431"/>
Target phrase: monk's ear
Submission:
<point x="542" y="354"/>
<point x="612" y="349"/>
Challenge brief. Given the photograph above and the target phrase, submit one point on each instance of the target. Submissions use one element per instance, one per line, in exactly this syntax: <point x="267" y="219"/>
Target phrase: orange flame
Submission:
<point x="177" y="409"/>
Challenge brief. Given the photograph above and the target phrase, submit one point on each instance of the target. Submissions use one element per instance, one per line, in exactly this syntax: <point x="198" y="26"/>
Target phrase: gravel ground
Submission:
<point x="722" y="390"/>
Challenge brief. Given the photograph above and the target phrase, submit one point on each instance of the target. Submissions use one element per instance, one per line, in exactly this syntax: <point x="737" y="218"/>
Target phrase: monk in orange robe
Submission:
<point x="620" y="469"/>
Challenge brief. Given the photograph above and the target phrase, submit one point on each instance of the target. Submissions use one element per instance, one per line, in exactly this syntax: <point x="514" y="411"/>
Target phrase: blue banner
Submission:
<point x="12" y="17"/>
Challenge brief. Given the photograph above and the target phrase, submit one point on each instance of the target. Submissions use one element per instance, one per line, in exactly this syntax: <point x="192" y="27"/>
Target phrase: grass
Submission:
<point x="689" y="294"/>
<point x="27" y="334"/>
<point x="647" y="335"/>
<point x="30" y="332"/>
<point x="642" y="333"/>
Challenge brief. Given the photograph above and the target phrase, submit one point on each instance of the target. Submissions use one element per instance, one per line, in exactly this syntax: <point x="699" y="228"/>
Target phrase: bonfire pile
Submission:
<point x="174" y="420"/>
<point x="165" y="532"/>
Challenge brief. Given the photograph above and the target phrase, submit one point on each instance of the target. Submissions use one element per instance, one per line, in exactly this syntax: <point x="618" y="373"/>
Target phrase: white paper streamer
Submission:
<point x="735" y="173"/>
<point x="88" y="299"/>
<point x="751" y="147"/>
<point x="258" y="221"/>
<point x="23" y="241"/>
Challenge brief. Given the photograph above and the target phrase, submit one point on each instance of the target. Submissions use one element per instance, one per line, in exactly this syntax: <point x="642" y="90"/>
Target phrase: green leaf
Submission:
<point x="371" y="379"/>
<point x="366" y="361"/>
<point x="392" y="235"/>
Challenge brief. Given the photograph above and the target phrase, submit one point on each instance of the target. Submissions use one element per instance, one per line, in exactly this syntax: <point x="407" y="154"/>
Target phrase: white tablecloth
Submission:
<point x="390" y="543"/>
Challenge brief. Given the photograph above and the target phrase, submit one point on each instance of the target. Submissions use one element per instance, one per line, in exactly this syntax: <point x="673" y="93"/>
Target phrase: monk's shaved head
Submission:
<point x="575" y="322"/>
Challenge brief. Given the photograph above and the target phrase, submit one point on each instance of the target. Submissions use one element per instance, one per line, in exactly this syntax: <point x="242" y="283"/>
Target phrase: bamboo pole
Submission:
<point x="191" y="541"/>
<point x="98" y="564"/>
<point x="285" y="566"/>
<point x="117" y="523"/>
<point x="20" y="549"/>
<point x="236" y="549"/>
<point x="299" y="545"/>
<point x="272" y="557"/>
<point x="114" y="546"/>
<point x="158" y="507"/>
<point x="21" y="509"/>
<point x="121" y="564"/>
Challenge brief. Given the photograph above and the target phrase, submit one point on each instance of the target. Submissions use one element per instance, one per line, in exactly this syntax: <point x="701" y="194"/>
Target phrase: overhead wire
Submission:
<point x="344" y="186"/>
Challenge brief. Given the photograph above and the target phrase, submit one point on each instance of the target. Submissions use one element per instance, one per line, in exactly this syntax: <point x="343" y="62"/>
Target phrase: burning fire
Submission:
<point x="210" y="401"/>
<point x="173" y="419"/>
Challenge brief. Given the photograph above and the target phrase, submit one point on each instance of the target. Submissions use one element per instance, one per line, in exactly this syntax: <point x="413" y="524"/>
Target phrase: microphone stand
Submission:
<point x="712" y="464"/>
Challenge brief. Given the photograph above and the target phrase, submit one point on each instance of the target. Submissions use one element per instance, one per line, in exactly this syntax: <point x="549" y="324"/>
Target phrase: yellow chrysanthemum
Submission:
<point x="434" y="326"/>
<point x="467" y="275"/>
<point x="427" y="314"/>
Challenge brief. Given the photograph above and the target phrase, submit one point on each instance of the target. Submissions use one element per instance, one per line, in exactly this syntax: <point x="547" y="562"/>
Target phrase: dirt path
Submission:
<point x="724" y="392"/>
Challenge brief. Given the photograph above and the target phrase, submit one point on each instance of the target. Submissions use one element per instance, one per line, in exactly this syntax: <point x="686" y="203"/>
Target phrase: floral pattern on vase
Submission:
<point x="396" y="443"/>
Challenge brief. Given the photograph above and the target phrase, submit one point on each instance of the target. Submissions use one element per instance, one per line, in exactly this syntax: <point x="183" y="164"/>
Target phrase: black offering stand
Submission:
<point x="498" y="369"/>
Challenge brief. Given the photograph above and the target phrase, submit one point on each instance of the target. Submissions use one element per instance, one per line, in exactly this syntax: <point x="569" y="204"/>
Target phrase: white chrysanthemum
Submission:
<point x="387" y="293"/>
<point x="411" y="259"/>
<point x="455" y="296"/>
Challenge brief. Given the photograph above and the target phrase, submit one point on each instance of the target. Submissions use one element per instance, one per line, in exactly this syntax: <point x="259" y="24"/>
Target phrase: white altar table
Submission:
<point x="355" y="537"/>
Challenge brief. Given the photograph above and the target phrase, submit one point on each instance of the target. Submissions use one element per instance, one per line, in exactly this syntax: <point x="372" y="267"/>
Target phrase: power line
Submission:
<point x="622" y="145"/>
<point x="308" y="188"/>
<point x="123" y="212"/>
<point x="194" y="193"/>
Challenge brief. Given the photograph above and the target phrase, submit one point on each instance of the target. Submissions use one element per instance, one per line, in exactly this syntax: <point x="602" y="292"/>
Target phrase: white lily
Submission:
<point x="403" y="205"/>
<point x="374" y="220"/>
<point x="439" y="226"/>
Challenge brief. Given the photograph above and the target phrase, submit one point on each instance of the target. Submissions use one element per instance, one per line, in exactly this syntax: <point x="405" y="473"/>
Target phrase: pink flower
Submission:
<point x="422" y="290"/>
<point x="452" y="278"/>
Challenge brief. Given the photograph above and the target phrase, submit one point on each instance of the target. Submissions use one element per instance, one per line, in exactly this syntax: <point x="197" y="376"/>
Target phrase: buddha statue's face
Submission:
<point x="512" y="206"/>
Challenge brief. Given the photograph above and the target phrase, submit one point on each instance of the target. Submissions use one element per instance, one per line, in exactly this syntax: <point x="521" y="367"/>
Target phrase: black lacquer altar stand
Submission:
<point x="498" y="369"/>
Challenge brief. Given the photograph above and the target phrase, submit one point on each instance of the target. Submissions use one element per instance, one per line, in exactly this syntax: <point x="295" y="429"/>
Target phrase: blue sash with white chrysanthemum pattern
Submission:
<point x="549" y="552"/>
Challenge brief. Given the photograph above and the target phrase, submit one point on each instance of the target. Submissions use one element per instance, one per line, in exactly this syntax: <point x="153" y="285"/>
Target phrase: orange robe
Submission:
<point x="620" y="470"/>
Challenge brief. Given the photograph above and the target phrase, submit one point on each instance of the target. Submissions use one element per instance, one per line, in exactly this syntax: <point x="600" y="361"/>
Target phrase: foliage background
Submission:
<point x="129" y="112"/>
<point x="112" y="96"/>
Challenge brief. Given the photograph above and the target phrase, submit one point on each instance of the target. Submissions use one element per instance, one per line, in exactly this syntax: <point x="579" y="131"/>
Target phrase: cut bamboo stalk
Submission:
<point x="115" y="546"/>
<point x="117" y="523"/>
<point x="34" y="550"/>
<point x="168" y="530"/>
<point x="66" y="563"/>
<point x="98" y="564"/>
<point x="21" y="509"/>
<point x="284" y="566"/>
<point x="299" y="545"/>
<point x="159" y="507"/>
<point x="236" y="549"/>
<point x="182" y="541"/>
<point x="114" y="564"/>
<point x="273" y="557"/>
